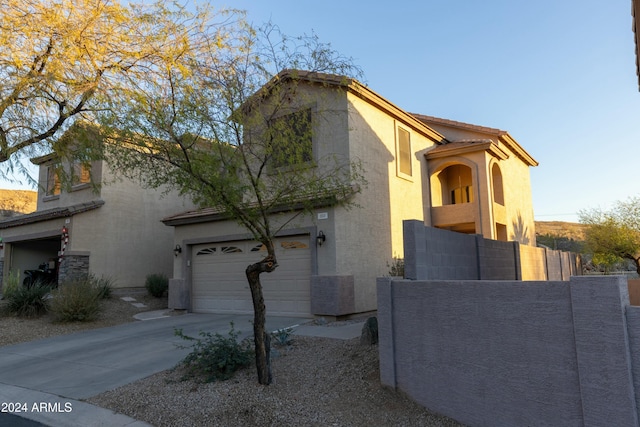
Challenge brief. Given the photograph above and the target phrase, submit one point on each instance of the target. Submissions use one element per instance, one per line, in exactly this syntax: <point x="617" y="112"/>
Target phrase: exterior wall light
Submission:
<point x="320" y="239"/>
<point x="177" y="250"/>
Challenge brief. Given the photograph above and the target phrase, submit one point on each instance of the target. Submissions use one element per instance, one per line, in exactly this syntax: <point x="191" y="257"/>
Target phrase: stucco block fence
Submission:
<point x="513" y="353"/>
<point x="435" y="254"/>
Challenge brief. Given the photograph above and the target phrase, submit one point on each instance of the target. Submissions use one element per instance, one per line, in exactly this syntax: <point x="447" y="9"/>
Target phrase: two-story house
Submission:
<point x="448" y="174"/>
<point x="111" y="230"/>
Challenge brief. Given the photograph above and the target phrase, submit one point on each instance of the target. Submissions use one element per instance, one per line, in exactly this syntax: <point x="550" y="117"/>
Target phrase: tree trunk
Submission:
<point x="260" y="336"/>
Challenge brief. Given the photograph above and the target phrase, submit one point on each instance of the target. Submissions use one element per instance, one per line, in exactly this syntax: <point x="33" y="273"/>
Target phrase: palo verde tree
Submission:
<point x="232" y="124"/>
<point x="59" y="59"/>
<point x="613" y="236"/>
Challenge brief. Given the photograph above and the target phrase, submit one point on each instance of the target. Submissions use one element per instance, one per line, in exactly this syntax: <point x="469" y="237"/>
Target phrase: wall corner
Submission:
<point x="179" y="295"/>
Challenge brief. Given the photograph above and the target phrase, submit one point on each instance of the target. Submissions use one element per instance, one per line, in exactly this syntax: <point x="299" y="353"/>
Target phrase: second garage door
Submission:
<point x="219" y="284"/>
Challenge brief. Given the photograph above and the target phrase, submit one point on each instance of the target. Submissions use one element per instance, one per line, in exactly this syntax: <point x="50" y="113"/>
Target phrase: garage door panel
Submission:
<point x="234" y="305"/>
<point x="219" y="284"/>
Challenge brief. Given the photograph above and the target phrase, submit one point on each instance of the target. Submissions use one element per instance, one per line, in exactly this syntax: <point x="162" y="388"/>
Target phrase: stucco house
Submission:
<point x="448" y="174"/>
<point x="112" y="230"/>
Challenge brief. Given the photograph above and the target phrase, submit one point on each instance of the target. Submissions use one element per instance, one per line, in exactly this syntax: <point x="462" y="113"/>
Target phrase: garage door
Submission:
<point x="219" y="284"/>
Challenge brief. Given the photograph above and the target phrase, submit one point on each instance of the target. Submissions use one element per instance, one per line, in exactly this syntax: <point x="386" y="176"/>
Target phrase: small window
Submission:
<point x="293" y="245"/>
<point x="207" y="251"/>
<point x="53" y="181"/>
<point x="81" y="173"/>
<point x="291" y="139"/>
<point x="403" y="152"/>
<point x="230" y="250"/>
<point x="259" y="248"/>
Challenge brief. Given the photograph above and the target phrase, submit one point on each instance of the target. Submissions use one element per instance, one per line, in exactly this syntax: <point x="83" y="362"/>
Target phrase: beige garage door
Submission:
<point x="219" y="284"/>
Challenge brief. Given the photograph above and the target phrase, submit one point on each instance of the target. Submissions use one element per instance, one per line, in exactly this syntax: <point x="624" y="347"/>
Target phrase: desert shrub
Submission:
<point x="282" y="337"/>
<point x="104" y="285"/>
<point x="157" y="284"/>
<point x="28" y="301"/>
<point x="215" y="357"/>
<point x="396" y="268"/>
<point x="11" y="284"/>
<point x="77" y="300"/>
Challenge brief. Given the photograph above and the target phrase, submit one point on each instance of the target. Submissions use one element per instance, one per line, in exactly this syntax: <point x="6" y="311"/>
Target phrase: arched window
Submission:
<point x="498" y="189"/>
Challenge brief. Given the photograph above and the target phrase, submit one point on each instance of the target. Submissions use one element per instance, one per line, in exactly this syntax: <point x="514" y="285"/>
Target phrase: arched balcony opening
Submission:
<point x="456" y="183"/>
<point x="453" y="199"/>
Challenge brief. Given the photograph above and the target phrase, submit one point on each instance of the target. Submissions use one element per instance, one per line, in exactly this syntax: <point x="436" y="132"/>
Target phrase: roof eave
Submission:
<point x="43" y="159"/>
<point x="518" y="150"/>
<point x="209" y="214"/>
<point x="454" y="149"/>
<point x="397" y="113"/>
<point x="39" y="216"/>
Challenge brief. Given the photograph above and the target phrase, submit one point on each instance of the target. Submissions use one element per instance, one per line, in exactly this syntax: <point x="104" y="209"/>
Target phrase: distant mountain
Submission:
<point x="570" y="230"/>
<point x="17" y="202"/>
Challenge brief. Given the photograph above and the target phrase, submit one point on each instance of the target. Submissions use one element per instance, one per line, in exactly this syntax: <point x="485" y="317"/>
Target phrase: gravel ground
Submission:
<point x="115" y="311"/>
<point x="317" y="382"/>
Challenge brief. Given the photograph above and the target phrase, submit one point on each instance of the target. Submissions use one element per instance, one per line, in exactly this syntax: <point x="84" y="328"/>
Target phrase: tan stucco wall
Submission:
<point x="369" y="236"/>
<point x="516" y="180"/>
<point x="125" y="237"/>
<point x="532" y="262"/>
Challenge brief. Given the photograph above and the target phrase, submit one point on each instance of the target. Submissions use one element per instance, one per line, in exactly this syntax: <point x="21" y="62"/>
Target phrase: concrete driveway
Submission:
<point x="85" y="364"/>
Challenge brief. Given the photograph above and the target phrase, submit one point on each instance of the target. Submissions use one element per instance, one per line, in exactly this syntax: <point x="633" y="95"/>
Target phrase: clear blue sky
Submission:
<point x="559" y="76"/>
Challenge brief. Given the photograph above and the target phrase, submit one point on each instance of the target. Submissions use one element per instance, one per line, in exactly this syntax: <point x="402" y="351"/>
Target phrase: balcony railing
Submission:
<point x="451" y="215"/>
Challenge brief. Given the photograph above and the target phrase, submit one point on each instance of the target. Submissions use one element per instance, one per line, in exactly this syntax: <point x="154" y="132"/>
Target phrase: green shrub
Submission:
<point x="29" y="301"/>
<point x="282" y="337"/>
<point x="396" y="268"/>
<point x="215" y="357"/>
<point x="11" y="284"/>
<point x="104" y="285"/>
<point x="157" y="284"/>
<point x="76" y="300"/>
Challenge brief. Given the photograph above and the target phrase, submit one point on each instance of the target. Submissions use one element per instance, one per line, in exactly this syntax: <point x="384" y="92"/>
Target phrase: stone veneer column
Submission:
<point x="72" y="266"/>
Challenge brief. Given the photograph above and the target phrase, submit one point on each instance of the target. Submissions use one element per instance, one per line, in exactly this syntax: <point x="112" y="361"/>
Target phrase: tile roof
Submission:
<point x="467" y="146"/>
<point x="502" y="135"/>
<point x="207" y="214"/>
<point x="446" y="122"/>
<point x="52" y="213"/>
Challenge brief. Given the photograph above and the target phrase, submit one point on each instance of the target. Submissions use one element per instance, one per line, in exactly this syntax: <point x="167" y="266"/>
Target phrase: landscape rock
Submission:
<point x="369" y="334"/>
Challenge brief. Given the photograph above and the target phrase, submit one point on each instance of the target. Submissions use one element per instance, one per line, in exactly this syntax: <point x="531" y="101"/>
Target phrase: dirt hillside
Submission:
<point x="571" y="230"/>
<point x="14" y="202"/>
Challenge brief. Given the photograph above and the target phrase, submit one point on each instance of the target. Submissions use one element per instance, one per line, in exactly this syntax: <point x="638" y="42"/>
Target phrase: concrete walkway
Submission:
<point x="51" y="376"/>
